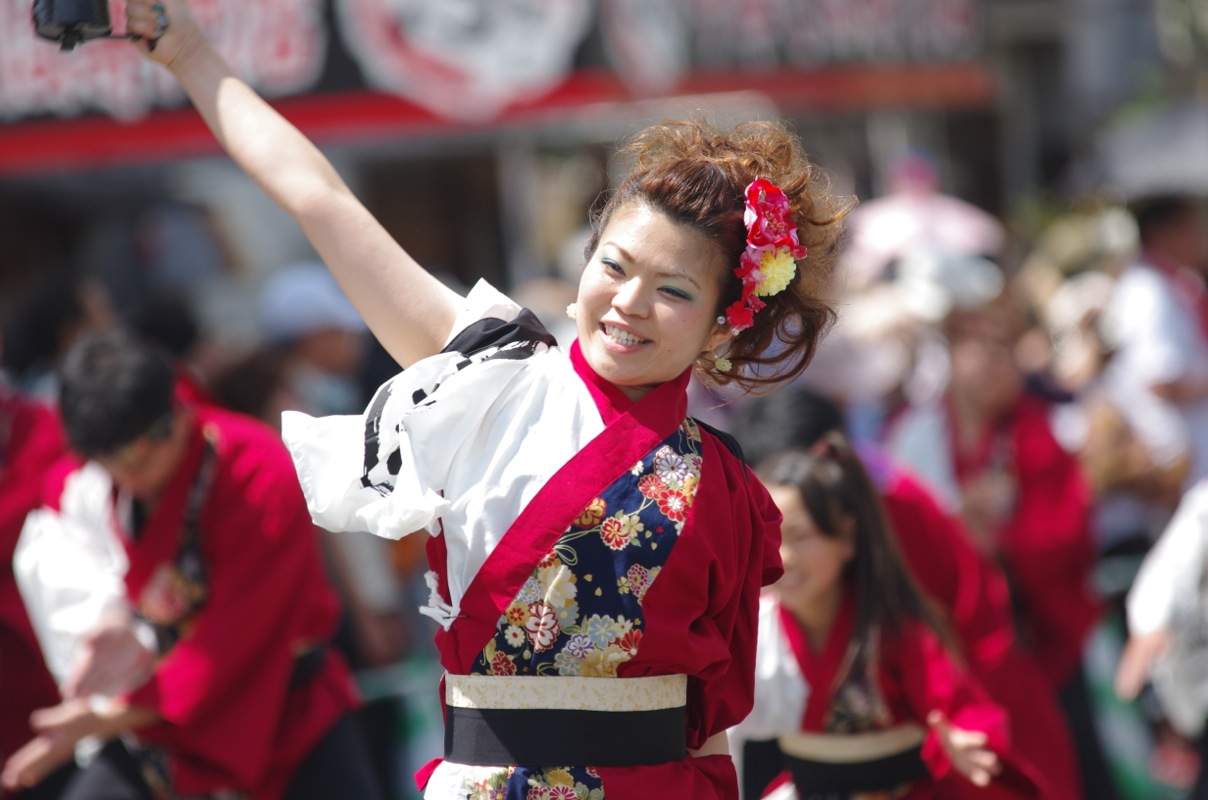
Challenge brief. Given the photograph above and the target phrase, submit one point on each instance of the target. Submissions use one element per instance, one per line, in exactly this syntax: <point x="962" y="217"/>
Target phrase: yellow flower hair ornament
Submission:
<point x="769" y="263"/>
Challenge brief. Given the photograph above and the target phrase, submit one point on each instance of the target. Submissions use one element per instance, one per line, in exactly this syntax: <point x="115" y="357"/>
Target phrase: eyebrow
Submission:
<point x="662" y="273"/>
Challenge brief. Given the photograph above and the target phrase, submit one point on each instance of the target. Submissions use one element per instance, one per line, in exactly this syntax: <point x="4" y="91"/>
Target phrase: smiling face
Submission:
<point x="648" y="299"/>
<point x="813" y="561"/>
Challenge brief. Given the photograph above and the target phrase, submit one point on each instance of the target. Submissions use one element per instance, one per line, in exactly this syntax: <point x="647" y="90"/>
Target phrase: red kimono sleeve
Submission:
<point x="1047" y="545"/>
<point x="221" y="690"/>
<point x="35" y="442"/>
<point x="719" y="701"/>
<point x="931" y="680"/>
<point x="938" y="550"/>
<point x="702" y="615"/>
<point x="727" y="697"/>
<point x="34" y="445"/>
<point x="708" y="610"/>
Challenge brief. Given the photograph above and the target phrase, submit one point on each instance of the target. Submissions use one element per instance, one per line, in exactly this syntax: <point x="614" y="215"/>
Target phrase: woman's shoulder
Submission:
<point x="491" y="322"/>
<point x="728" y="441"/>
<point x="490" y="330"/>
<point x="493" y="337"/>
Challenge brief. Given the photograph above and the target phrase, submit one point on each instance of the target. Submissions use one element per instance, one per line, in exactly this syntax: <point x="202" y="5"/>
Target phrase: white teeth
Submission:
<point x="621" y="337"/>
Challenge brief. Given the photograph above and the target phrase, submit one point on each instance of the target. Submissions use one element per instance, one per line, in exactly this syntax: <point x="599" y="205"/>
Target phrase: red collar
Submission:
<point x="610" y="400"/>
<point x="157" y="541"/>
<point x="821" y="670"/>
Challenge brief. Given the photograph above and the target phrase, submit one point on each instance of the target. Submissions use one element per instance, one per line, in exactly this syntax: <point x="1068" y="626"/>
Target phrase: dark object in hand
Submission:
<point x="70" y="22"/>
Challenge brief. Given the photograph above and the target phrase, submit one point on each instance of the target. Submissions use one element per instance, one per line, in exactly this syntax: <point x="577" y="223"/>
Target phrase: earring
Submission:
<point x="572" y="310"/>
<point x="721" y="320"/>
<point x="722" y="365"/>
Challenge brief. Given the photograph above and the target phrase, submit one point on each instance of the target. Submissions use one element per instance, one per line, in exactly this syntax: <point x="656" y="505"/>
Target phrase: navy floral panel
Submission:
<point x="580" y="611"/>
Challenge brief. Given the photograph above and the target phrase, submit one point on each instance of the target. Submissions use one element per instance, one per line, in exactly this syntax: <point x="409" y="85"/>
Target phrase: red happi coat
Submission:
<point x="231" y="718"/>
<point x="914" y="675"/>
<point x="30" y="442"/>
<point x="975" y="596"/>
<point x="697" y="618"/>
<point x="1045" y="543"/>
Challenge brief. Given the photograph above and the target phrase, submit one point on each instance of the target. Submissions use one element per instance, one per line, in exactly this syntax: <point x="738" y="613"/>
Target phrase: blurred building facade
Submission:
<point x="480" y="132"/>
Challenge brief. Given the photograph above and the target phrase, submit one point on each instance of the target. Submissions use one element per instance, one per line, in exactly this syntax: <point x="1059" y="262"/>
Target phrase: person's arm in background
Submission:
<point x="966" y="731"/>
<point x="60" y="728"/>
<point x="1170" y="573"/>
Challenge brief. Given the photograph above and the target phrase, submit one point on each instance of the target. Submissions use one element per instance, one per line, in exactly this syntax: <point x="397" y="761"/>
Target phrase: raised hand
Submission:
<point x="409" y="311"/>
<point x="166" y="28"/>
<point x="966" y="750"/>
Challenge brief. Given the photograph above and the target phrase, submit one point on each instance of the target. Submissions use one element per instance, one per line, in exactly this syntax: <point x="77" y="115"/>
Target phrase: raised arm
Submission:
<point x="409" y="311"/>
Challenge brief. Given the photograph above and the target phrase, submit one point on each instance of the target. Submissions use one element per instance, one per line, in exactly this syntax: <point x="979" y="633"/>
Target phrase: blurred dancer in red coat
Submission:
<point x="969" y="587"/>
<point x="30" y="442"/>
<point x="988" y="449"/>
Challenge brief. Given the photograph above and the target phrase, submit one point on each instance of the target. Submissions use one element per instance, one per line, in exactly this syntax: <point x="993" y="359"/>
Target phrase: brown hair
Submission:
<point x="696" y="175"/>
<point x="1009" y="316"/>
<point x="834" y="488"/>
<point x="1154" y="213"/>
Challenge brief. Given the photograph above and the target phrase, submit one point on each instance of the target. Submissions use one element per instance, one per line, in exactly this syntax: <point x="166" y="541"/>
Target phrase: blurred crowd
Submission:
<point x="1046" y="400"/>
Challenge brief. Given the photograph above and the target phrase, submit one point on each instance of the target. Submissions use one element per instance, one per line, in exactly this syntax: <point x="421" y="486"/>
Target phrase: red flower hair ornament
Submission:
<point x="769" y="263"/>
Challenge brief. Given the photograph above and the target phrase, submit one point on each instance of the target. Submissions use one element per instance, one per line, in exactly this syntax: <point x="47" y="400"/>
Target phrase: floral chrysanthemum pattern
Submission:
<point x="562" y="783"/>
<point x="580" y="611"/>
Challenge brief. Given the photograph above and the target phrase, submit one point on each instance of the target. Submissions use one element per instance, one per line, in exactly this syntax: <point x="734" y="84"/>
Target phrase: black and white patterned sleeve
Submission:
<point x="366" y="473"/>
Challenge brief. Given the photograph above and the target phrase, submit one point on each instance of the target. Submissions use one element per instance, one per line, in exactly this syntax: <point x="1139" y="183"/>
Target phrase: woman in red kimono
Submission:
<point x="969" y="588"/>
<point x="989" y="449"/>
<point x="561" y="491"/>
<point x="30" y="443"/>
<point x="856" y="678"/>
<point x="973" y="591"/>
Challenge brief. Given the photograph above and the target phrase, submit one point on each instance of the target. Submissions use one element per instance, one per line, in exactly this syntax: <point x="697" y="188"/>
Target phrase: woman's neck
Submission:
<point x="816" y="615"/>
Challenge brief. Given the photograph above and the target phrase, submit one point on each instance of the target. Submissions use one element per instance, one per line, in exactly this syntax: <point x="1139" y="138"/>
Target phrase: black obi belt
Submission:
<point x="565" y="721"/>
<point x="861" y="762"/>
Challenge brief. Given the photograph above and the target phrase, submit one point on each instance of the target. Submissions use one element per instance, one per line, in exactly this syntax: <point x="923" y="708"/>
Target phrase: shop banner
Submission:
<point x="469" y="60"/>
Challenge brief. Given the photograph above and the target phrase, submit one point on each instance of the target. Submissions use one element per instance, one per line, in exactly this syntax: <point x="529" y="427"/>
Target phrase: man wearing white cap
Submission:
<point x="303" y="311"/>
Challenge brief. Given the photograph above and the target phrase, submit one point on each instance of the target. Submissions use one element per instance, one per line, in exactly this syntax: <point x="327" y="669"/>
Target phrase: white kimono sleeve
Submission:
<point x="1168" y="593"/>
<point x="364" y="473"/>
<point x="70" y="568"/>
<point x="780" y="689"/>
<point x="1167" y="588"/>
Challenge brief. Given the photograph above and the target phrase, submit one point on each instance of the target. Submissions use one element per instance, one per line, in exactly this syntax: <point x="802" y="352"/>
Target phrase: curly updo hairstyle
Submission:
<point x="697" y="175"/>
